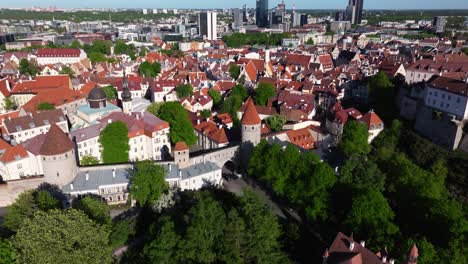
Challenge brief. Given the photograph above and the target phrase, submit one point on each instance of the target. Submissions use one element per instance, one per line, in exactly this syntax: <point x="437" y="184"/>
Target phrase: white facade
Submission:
<point x="61" y="59"/>
<point x="447" y="102"/>
<point x="21" y="168"/>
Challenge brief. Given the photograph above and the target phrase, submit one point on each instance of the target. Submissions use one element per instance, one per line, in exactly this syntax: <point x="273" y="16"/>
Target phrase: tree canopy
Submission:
<point x="154" y="108"/>
<point x="276" y="122"/>
<point x="67" y="70"/>
<point x="264" y="92"/>
<point x="382" y="93"/>
<point x="354" y="141"/>
<point x="95" y="208"/>
<point x="216" y="96"/>
<point x="45" y="106"/>
<point x="147" y="183"/>
<point x="62" y="237"/>
<point x="184" y="90"/>
<point x="114" y="142"/>
<point x="89" y="160"/>
<point x="148" y="69"/>
<point x="234" y="71"/>
<point x="110" y="91"/>
<point x="28" y="68"/>
<point x="181" y="126"/>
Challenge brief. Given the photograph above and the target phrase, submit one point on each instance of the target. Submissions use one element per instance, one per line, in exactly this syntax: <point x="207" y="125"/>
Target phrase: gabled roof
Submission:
<point x="56" y="142"/>
<point x="58" y="52"/>
<point x="181" y="146"/>
<point x="340" y="252"/>
<point x="13" y="153"/>
<point x="250" y="116"/>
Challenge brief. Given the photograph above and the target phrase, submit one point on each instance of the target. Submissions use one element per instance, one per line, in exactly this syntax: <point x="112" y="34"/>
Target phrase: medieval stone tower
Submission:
<point x="58" y="157"/>
<point x="251" y="126"/>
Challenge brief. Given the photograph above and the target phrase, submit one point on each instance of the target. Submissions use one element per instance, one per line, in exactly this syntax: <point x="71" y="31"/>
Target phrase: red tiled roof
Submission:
<point x="13" y="153"/>
<point x="250" y="116"/>
<point x="370" y="119"/>
<point x="339" y="252"/>
<point x="41" y="83"/>
<point x="180" y="146"/>
<point x="4" y="87"/>
<point x="301" y="138"/>
<point x="58" y="52"/>
<point x="56" y="142"/>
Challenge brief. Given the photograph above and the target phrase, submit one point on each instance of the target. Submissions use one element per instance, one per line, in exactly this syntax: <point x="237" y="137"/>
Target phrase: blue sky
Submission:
<point x="300" y="4"/>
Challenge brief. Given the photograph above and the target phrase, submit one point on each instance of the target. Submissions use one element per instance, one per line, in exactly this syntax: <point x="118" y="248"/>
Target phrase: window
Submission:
<point x="19" y="166"/>
<point x="458" y="99"/>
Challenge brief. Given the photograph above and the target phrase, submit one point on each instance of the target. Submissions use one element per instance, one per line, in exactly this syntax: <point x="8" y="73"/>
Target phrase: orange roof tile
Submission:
<point x="250" y="116"/>
<point x="180" y="146"/>
<point x="14" y="153"/>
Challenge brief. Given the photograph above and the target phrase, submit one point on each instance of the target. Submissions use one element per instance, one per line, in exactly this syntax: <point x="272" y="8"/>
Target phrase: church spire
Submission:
<point x="126" y="96"/>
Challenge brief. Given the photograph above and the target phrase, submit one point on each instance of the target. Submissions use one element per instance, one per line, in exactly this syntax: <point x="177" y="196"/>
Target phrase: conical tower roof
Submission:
<point x="250" y="116"/>
<point x="56" y="142"/>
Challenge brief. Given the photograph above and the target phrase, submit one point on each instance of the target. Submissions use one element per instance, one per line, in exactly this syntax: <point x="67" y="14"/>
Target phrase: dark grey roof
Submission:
<point x="97" y="94"/>
<point x="96" y="178"/>
<point x="173" y="171"/>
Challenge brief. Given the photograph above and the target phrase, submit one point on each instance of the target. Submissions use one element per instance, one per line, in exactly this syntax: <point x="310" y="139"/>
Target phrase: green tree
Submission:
<point x="264" y="92"/>
<point x="95" y="57"/>
<point x="149" y="69"/>
<point x="67" y="70"/>
<point x="122" y="231"/>
<point x="96" y="209"/>
<point x="382" y="93"/>
<point x="23" y="208"/>
<point x="216" y="96"/>
<point x="310" y="41"/>
<point x="234" y="240"/>
<point x="45" y="106"/>
<point x="7" y="252"/>
<point x="372" y="216"/>
<point x="88" y="160"/>
<point x="164" y="247"/>
<point x="147" y="183"/>
<point x="354" y="141"/>
<point x="234" y="71"/>
<point x="46" y="201"/>
<point x="75" y="44"/>
<point x="154" y="108"/>
<point x="27" y="68"/>
<point x="9" y="103"/>
<point x="262" y="238"/>
<point x="62" y="237"/>
<point x="207" y="219"/>
<point x="205" y="113"/>
<point x="239" y="91"/>
<point x="114" y="142"/>
<point x="276" y="122"/>
<point x="110" y="91"/>
<point x="362" y="173"/>
<point x="181" y="129"/>
<point x="184" y="90"/>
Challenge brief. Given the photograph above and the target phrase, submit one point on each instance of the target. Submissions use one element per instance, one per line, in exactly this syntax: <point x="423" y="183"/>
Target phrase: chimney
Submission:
<point x="384" y="259"/>
<point x="87" y="176"/>
<point x="113" y="173"/>
<point x="363" y="243"/>
<point x="198" y="121"/>
<point x="71" y="186"/>
<point x="109" y="121"/>
<point x="180" y="174"/>
<point x="170" y="166"/>
<point x="392" y="261"/>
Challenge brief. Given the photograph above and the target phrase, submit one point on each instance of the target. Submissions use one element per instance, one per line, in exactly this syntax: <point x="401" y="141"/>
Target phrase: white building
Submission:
<point x="148" y="136"/>
<point x="22" y="128"/>
<point x="60" y="55"/>
<point x="449" y="96"/>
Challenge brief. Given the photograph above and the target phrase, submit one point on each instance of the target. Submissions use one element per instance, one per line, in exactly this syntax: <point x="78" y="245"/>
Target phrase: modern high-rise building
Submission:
<point x="238" y="17"/>
<point x="261" y="13"/>
<point x="207" y="21"/>
<point x="438" y="24"/>
<point x="354" y="11"/>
